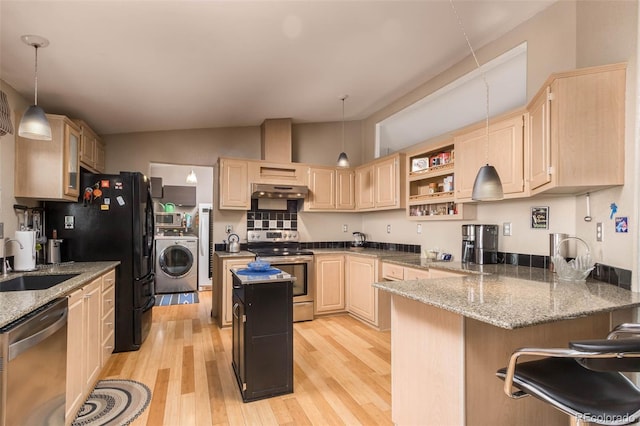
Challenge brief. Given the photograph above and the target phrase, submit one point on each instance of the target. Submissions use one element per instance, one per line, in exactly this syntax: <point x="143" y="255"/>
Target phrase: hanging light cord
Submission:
<point x="484" y="78"/>
<point x="343" y="98"/>
<point x="36" y="79"/>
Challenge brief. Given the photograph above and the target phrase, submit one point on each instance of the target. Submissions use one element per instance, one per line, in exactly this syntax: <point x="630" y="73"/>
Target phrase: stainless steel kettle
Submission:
<point x="358" y="239"/>
<point x="234" y="243"/>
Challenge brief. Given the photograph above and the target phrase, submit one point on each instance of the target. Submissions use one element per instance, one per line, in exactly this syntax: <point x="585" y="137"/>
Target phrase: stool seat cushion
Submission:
<point x="607" y="398"/>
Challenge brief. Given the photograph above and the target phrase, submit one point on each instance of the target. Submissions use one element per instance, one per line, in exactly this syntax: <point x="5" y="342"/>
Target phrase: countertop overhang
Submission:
<point x="511" y="297"/>
<point x="16" y="304"/>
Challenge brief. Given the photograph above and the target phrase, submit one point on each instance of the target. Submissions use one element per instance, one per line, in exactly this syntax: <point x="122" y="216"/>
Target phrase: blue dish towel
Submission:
<point x="255" y="273"/>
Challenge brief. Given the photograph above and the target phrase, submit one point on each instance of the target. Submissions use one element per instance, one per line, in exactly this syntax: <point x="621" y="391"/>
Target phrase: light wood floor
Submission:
<point x="342" y="373"/>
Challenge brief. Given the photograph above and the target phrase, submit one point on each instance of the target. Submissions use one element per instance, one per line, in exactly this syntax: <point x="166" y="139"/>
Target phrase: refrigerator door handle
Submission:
<point x="149" y="277"/>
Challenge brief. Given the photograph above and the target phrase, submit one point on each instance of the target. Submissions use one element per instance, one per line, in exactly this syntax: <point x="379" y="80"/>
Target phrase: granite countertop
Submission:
<point x="15" y="304"/>
<point x="510" y="296"/>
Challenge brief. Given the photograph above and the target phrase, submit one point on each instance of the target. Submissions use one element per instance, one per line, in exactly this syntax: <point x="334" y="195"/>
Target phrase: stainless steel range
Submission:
<point x="281" y="248"/>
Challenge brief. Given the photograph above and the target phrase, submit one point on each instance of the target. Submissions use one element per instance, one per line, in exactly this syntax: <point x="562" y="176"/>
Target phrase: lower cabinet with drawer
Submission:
<point x="91" y="308"/>
<point x="393" y="272"/>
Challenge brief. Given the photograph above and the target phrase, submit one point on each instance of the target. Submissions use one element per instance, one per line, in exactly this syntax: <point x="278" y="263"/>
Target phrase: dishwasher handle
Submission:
<point x="28" y="342"/>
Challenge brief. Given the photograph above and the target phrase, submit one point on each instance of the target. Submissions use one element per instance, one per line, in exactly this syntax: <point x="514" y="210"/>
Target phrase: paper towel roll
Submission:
<point x="24" y="259"/>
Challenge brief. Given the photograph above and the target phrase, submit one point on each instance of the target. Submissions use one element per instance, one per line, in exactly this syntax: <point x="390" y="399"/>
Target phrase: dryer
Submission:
<point x="176" y="264"/>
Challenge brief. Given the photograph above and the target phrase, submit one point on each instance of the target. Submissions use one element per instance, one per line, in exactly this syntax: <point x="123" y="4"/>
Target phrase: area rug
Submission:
<point x="114" y="402"/>
<point x="176" y="299"/>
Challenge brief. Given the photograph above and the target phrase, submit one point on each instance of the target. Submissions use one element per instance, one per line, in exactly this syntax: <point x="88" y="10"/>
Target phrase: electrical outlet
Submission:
<point x="345" y="228"/>
<point x="388" y="229"/>
<point x="1" y="230"/>
<point x="506" y="229"/>
<point x="419" y="228"/>
<point x="228" y="229"/>
<point x="599" y="231"/>
<point x="69" y="222"/>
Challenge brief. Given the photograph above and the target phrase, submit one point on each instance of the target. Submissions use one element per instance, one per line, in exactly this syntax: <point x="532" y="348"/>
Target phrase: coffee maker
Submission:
<point x="479" y="244"/>
<point x="468" y="243"/>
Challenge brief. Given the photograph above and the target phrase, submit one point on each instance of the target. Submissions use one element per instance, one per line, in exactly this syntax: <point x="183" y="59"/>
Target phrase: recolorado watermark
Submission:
<point x="608" y="418"/>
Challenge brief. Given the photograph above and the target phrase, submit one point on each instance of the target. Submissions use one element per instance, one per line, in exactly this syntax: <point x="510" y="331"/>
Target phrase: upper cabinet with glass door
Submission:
<point x="49" y="170"/>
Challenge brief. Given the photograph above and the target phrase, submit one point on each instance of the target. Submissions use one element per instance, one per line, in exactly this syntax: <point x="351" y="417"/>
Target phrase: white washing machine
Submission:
<point x="176" y="264"/>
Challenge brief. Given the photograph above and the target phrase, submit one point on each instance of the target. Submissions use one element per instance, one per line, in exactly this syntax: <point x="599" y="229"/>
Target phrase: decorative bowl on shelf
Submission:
<point x="259" y="265"/>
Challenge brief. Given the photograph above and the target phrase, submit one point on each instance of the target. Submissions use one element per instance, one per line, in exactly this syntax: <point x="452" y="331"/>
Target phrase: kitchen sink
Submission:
<point x="34" y="282"/>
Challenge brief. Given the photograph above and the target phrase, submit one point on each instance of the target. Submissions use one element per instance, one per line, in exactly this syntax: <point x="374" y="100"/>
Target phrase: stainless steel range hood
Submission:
<point x="264" y="190"/>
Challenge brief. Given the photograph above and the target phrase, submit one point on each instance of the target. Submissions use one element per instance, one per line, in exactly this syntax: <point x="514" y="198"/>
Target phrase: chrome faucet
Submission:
<point x="4" y="261"/>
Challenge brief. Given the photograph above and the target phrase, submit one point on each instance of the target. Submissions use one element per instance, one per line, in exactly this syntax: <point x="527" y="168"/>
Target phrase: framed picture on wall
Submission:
<point x="540" y="217"/>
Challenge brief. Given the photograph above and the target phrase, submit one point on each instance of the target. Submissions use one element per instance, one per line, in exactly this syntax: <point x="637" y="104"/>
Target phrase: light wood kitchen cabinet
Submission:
<point x="430" y="184"/>
<point x="330" y="189"/>
<point x="234" y="184"/>
<point x="322" y="189"/>
<point x="504" y="150"/>
<point x="91" y="148"/>
<point x="417" y="274"/>
<point x="93" y="331"/>
<point x="378" y="184"/>
<point x="222" y="291"/>
<point x="84" y="343"/>
<point x="365" y="187"/>
<point x="100" y="156"/>
<point x="330" y="283"/>
<point x="108" y="295"/>
<point x="363" y="300"/>
<point x="576" y="131"/>
<point x="393" y="272"/>
<point x="49" y="170"/>
<point x="75" y="354"/>
<point x="389" y="193"/>
<point x="345" y="189"/>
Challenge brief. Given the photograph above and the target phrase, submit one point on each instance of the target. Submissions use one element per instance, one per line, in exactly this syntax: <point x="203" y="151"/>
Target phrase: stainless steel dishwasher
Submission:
<point x="33" y="367"/>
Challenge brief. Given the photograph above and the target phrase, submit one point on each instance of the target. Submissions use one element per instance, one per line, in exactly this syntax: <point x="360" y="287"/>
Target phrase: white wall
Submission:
<point x="7" y="161"/>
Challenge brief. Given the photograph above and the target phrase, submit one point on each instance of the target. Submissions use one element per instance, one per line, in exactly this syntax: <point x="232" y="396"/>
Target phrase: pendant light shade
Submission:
<point x="34" y="123"/>
<point x="191" y="177"/>
<point x="487" y="185"/>
<point x="343" y="160"/>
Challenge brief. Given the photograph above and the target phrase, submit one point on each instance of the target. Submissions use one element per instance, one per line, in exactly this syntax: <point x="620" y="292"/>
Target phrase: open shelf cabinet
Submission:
<point x="430" y="185"/>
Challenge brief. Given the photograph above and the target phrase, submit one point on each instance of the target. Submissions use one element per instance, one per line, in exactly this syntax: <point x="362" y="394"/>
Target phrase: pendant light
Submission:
<point x="487" y="185"/>
<point x="34" y="123"/>
<point x="191" y="177"/>
<point x="343" y="161"/>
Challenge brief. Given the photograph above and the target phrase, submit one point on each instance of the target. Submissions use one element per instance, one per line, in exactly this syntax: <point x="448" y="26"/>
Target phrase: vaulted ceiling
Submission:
<point x="127" y="66"/>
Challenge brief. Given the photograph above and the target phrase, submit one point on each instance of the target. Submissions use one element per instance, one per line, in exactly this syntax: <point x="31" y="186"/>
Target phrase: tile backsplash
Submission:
<point x="258" y="219"/>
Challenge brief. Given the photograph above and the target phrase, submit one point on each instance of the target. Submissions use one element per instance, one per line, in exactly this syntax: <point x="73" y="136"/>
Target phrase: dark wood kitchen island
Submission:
<point x="262" y="332"/>
<point x="450" y="336"/>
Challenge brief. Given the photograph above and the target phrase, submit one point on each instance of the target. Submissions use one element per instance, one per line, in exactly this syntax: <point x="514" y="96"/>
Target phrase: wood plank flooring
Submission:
<point x="342" y="373"/>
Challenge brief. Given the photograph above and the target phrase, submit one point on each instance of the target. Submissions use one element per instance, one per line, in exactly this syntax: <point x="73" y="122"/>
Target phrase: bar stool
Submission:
<point x="584" y="381"/>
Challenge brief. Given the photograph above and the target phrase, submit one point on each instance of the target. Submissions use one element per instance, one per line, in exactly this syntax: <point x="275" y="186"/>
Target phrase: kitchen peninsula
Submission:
<point x="450" y="335"/>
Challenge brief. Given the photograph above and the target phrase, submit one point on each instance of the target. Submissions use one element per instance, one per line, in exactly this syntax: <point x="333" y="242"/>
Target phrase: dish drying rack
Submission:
<point x="577" y="269"/>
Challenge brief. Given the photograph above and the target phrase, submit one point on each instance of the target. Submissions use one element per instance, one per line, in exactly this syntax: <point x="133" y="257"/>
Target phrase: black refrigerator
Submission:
<point x="113" y="220"/>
